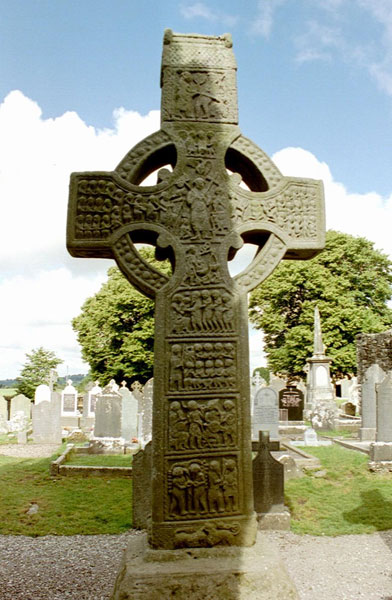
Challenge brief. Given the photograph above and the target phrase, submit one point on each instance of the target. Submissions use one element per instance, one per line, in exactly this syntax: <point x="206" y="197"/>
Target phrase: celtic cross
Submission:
<point x="198" y="215"/>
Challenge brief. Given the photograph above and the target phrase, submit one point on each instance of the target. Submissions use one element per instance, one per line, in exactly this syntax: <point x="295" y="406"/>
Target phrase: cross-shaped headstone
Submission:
<point x="198" y="216"/>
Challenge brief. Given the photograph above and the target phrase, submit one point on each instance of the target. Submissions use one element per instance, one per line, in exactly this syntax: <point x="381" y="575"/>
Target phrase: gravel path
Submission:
<point x="349" y="567"/>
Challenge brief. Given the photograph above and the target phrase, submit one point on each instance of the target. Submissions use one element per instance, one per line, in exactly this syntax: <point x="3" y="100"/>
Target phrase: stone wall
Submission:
<point x="374" y="348"/>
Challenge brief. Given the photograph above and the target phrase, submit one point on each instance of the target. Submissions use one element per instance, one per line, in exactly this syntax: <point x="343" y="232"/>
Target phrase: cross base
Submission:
<point x="225" y="573"/>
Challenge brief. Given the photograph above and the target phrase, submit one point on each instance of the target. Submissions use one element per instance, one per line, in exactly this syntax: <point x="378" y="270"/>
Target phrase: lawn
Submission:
<point x="348" y="499"/>
<point x="101" y="460"/>
<point x="66" y="505"/>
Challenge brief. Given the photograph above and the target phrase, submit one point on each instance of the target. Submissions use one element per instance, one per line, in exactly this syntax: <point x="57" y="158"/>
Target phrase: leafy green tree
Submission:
<point x="349" y="281"/>
<point x="116" y="329"/>
<point x="36" y="370"/>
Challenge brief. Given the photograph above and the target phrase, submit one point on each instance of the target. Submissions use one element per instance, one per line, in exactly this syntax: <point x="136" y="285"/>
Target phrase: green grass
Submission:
<point x="337" y="433"/>
<point x="347" y="500"/>
<point x="67" y="505"/>
<point x="101" y="460"/>
<point x="8" y="439"/>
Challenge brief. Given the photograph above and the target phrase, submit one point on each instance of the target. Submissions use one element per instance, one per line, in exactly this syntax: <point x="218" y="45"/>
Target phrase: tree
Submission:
<point x="116" y="329"/>
<point x="350" y="282"/>
<point x="36" y="370"/>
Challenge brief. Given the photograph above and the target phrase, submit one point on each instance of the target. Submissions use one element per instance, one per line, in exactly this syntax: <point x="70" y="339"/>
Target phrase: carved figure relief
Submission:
<point x="295" y="213"/>
<point x="203" y="488"/>
<point x="219" y="533"/>
<point x="201" y="366"/>
<point x="204" y="424"/>
<point x="198" y="311"/>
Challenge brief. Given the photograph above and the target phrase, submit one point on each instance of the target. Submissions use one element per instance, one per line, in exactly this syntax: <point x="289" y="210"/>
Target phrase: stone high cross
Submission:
<point x="198" y="216"/>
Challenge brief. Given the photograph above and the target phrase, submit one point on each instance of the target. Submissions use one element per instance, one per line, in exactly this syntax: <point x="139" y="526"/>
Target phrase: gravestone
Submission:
<point x="18" y="422"/>
<point x="372" y="376"/>
<point x="21" y="403"/>
<point x="89" y="400"/>
<point x="277" y="383"/>
<point x="3" y="408"/>
<point x="141" y="487"/>
<point x="46" y="421"/>
<point x="380" y="451"/>
<point x="42" y="394"/>
<point x="348" y="408"/>
<point x="292" y="399"/>
<point x="310" y="437"/>
<point x="384" y="409"/>
<point x="198" y="216"/>
<point x="69" y="406"/>
<point x="265" y="413"/>
<point x="3" y="424"/>
<point x="108" y="412"/>
<point x="268" y="487"/>
<point x="129" y="410"/>
<point x="145" y="413"/>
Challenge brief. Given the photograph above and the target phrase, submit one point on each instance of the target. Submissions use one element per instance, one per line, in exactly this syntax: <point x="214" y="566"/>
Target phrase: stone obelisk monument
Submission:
<point x="198" y="216"/>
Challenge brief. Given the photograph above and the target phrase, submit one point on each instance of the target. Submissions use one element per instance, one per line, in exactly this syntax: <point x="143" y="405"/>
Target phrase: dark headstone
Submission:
<point x="292" y="399"/>
<point x="349" y="409"/>
<point x="268" y="478"/>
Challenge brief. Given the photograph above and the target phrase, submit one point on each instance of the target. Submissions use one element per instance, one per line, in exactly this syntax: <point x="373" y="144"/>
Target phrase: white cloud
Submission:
<point x="368" y="215"/>
<point x="42" y="287"/>
<point x="200" y="10"/>
<point x="264" y="19"/>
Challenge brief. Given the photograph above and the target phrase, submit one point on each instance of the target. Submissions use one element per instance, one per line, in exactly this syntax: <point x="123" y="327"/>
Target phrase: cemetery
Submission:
<point x="200" y="464"/>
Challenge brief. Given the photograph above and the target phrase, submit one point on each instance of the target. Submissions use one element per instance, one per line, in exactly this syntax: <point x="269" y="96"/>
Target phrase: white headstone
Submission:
<point x="310" y="437"/>
<point x="69" y="400"/>
<point x="92" y="398"/>
<point x="42" y="394"/>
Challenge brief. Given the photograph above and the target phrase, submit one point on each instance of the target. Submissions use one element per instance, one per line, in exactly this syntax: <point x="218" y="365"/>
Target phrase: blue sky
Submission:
<point x="79" y="85"/>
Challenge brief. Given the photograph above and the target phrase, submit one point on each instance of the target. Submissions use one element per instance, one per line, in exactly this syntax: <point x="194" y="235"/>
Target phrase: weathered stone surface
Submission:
<point x="268" y="478"/>
<point x="265" y="413"/>
<point x="198" y="216"/>
<point x="46" y="421"/>
<point x="108" y="413"/>
<point x="380" y="451"/>
<point x="384" y="409"/>
<point x="373" y="348"/>
<point x="145" y="413"/>
<point x="3" y="408"/>
<point x="21" y="403"/>
<point x="141" y="487"/>
<point x="255" y="573"/>
<point x="129" y="414"/>
<point x="371" y="378"/>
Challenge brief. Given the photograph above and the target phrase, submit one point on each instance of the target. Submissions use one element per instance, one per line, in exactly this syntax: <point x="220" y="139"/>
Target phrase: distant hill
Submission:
<point x="12" y="383"/>
<point x="8" y="383"/>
